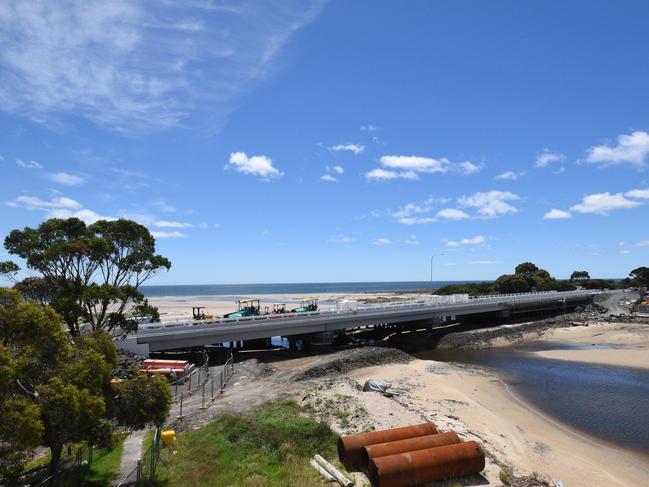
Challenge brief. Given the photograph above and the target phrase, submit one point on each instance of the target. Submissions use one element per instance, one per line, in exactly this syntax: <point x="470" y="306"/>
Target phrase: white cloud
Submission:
<point x="168" y="234"/>
<point x="328" y="178"/>
<point x="139" y="65"/>
<point x="642" y="243"/>
<point x="412" y="240"/>
<point x="467" y="167"/>
<point x="417" y="220"/>
<point x="382" y="241"/>
<point x="66" y="179"/>
<point x="484" y="262"/>
<point x="88" y="216"/>
<point x="490" y="204"/>
<point x="338" y="169"/>
<point x="641" y="194"/>
<point x="478" y="239"/>
<point x="342" y="239"/>
<point x="369" y="128"/>
<point x="382" y="174"/>
<point x="29" y="164"/>
<point x="547" y="157"/>
<point x="555" y="214"/>
<point x="452" y="214"/>
<point x="34" y="203"/>
<point x="355" y="148"/>
<point x="59" y="207"/>
<point x="408" y="167"/>
<point x="508" y="175"/>
<point x="173" y="224"/>
<point x="256" y="165"/>
<point x="602" y="203"/>
<point x="416" y="163"/>
<point x="630" y="149"/>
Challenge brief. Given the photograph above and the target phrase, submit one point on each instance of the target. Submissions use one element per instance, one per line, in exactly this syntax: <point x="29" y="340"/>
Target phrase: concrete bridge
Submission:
<point x="155" y="337"/>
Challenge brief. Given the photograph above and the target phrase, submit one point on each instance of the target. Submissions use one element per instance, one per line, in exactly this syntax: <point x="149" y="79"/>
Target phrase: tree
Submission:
<point x="512" y="283"/>
<point x="526" y="269"/>
<point x="54" y="391"/>
<point x="89" y="274"/>
<point x="641" y="274"/>
<point x="143" y="400"/>
<point x="32" y="345"/>
<point x="580" y="276"/>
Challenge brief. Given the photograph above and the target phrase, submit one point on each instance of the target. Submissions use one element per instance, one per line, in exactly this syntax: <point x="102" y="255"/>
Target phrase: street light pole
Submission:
<point x="431" y="271"/>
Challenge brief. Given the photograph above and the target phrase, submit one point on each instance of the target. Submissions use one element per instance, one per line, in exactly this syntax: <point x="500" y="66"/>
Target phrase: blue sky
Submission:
<point x="307" y="141"/>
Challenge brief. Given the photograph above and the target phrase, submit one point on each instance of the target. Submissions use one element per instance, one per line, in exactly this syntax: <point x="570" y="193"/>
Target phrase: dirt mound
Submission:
<point x="357" y="358"/>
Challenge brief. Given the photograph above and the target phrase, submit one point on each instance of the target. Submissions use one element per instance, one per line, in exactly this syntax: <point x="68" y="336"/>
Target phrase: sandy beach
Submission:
<point x="628" y="342"/>
<point x="174" y="308"/>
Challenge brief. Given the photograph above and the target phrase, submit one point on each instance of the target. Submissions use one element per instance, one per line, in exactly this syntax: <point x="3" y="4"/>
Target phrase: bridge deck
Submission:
<point x="166" y="336"/>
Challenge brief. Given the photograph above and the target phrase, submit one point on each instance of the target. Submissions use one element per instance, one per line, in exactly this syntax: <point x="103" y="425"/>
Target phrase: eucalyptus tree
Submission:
<point x="88" y="273"/>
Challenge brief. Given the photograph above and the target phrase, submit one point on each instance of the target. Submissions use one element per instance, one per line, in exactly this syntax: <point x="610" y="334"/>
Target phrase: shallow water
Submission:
<point x="611" y="403"/>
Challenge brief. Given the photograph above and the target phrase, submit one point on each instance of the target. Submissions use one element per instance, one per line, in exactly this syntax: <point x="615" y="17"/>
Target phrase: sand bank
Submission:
<point x="478" y="406"/>
<point x="619" y="344"/>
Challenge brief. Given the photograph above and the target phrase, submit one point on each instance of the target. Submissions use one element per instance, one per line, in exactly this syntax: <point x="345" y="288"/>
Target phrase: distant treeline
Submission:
<point x="527" y="277"/>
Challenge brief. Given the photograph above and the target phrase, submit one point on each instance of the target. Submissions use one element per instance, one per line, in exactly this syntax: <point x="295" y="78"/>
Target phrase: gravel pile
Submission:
<point x="356" y="358"/>
<point x="591" y="311"/>
<point x="128" y="362"/>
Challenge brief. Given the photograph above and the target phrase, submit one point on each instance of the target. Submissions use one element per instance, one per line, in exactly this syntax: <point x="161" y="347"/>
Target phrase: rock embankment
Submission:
<point x="356" y="358"/>
<point x="128" y="364"/>
<point x="485" y="338"/>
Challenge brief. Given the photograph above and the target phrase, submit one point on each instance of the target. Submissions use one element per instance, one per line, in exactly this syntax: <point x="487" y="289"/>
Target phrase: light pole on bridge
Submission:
<point x="431" y="270"/>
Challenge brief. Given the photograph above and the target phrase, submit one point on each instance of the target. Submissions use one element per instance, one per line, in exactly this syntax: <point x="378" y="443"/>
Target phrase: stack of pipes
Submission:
<point x="410" y="455"/>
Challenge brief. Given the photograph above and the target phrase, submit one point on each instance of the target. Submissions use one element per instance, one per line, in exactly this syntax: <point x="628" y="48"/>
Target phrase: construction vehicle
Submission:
<point x="279" y="308"/>
<point x="307" y="305"/>
<point x="199" y="315"/>
<point x="245" y="307"/>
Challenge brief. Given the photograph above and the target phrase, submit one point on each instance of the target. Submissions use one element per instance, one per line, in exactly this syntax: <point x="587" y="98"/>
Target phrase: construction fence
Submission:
<point x="199" y="381"/>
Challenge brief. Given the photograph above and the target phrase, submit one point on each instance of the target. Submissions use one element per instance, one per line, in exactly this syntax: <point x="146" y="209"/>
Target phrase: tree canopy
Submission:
<point x="580" y="276"/>
<point x="88" y="274"/>
<point x="54" y="391"/>
<point x="641" y="275"/>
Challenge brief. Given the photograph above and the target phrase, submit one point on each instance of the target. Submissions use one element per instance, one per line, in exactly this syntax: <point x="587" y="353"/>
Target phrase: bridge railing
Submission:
<point x="368" y="308"/>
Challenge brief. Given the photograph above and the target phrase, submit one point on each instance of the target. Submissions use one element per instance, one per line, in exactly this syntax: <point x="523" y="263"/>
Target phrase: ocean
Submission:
<point x="289" y="288"/>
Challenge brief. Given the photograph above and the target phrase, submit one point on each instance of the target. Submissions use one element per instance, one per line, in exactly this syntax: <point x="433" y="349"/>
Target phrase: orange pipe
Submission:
<point x="165" y="363"/>
<point x="421" y="466"/>
<point x="349" y="447"/>
<point x="411" y="444"/>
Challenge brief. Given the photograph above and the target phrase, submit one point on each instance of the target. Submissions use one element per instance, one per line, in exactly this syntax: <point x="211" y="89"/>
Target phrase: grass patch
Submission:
<point x="269" y="447"/>
<point x="103" y="470"/>
<point x="105" y="465"/>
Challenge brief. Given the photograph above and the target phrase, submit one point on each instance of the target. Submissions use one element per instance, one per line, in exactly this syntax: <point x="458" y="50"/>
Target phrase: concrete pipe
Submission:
<point x="411" y="444"/>
<point x="421" y="466"/>
<point x="350" y="447"/>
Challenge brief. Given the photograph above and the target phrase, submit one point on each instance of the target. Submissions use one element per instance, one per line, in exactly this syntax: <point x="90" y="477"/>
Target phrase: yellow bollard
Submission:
<point x="168" y="437"/>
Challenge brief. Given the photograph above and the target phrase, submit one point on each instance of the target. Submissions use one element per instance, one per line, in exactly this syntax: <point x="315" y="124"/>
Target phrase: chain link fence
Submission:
<point x="73" y="468"/>
<point x="210" y="387"/>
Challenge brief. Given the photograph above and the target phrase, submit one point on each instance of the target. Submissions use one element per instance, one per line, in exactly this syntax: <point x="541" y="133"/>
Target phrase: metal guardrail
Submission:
<point x="362" y="309"/>
<point x="215" y="384"/>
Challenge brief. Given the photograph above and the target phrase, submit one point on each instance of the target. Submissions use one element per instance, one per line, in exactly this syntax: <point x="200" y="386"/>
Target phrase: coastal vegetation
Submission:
<point x="56" y="357"/>
<point x="88" y="274"/>
<point x="528" y="277"/>
<point x="269" y="446"/>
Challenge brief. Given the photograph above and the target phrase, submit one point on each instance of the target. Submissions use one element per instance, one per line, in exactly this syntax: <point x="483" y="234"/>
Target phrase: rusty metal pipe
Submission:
<point x="411" y="444"/>
<point x="421" y="466"/>
<point x="349" y="447"/>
